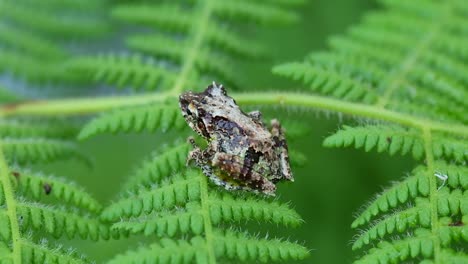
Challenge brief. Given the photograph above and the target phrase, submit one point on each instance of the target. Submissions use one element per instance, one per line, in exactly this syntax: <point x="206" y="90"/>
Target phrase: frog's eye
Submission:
<point x="192" y="110"/>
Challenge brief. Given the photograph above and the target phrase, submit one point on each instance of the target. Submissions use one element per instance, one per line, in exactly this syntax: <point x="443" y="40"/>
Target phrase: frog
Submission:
<point x="242" y="153"/>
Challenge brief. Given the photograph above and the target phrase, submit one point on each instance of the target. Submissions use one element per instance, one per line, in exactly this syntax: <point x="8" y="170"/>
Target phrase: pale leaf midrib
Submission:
<point x="10" y="202"/>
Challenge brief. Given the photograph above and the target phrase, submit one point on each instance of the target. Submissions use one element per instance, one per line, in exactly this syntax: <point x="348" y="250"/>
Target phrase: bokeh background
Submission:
<point x="329" y="188"/>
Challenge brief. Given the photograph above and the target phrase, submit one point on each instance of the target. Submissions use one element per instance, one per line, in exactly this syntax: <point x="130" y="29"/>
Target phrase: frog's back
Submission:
<point x="234" y="130"/>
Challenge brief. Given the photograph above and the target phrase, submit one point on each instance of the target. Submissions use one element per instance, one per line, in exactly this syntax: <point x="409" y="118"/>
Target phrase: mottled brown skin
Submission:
<point x="242" y="153"/>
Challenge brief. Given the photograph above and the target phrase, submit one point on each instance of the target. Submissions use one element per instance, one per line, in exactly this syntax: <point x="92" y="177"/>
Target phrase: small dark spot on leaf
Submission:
<point x="16" y="174"/>
<point x="457" y="223"/>
<point x="389" y="140"/>
<point x="47" y="188"/>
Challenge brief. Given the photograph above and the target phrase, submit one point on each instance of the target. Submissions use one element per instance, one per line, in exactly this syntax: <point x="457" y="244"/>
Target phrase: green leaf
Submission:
<point x="40" y="150"/>
<point x="135" y="119"/>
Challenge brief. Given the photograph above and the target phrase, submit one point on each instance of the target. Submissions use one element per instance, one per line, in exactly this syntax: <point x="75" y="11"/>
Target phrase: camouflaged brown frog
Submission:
<point x="242" y="153"/>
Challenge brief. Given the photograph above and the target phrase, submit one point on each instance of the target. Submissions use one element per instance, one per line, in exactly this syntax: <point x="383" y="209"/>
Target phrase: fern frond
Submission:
<point x="179" y="221"/>
<point x="224" y="39"/>
<point x="400" y="221"/>
<point x="135" y="119"/>
<point x="179" y="205"/>
<point x="450" y="256"/>
<point x="38" y="17"/>
<point x="328" y="82"/>
<point x="5" y="229"/>
<point x="262" y="13"/>
<point x="38" y="186"/>
<point x="159" y="46"/>
<point x="416" y="185"/>
<point x="24" y="150"/>
<point x="90" y="6"/>
<point x="452" y="232"/>
<point x="122" y="70"/>
<point x="452" y="203"/>
<point x="225" y="208"/>
<point x="229" y="245"/>
<point x="456" y="174"/>
<point x="161" y="164"/>
<point x="166" y="251"/>
<point x="175" y="55"/>
<point x="58" y="222"/>
<point x="410" y="248"/>
<point x="191" y="41"/>
<point x="176" y="190"/>
<point x="413" y="247"/>
<point x="41" y="253"/>
<point x="25" y="128"/>
<point x="34" y="36"/>
<point x="25" y="42"/>
<point x="395" y="139"/>
<point x="241" y="247"/>
<point x="19" y="216"/>
<point x="402" y="55"/>
<point x="30" y="69"/>
<point x="408" y="62"/>
<point x="172" y="16"/>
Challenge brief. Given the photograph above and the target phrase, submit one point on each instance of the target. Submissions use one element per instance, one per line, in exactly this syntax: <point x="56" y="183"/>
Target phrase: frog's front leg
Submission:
<point x="195" y="154"/>
<point x="281" y="148"/>
<point x="242" y="172"/>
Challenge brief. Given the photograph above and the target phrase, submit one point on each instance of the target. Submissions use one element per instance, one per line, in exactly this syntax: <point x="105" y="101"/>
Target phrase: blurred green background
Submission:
<point x="329" y="189"/>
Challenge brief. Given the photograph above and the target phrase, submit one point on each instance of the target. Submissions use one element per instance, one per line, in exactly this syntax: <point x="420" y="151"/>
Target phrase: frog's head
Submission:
<point x="193" y="107"/>
<point x="198" y="108"/>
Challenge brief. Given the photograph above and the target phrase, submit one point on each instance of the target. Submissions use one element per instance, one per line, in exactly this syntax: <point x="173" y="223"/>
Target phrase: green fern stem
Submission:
<point x="433" y="192"/>
<point x="207" y="219"/>
<point x="79" y="106"/>
<point x="11" y="207"/>
<point x="199" y="32"/>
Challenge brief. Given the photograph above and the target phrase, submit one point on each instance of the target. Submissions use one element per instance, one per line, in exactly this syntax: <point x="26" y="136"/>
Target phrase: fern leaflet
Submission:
<point x="179" y="205"/>
<point x="23" y="204"/>
<point x="407" y="59"/>
<point x="178" y="55"/>
<point x="34" y="36"/>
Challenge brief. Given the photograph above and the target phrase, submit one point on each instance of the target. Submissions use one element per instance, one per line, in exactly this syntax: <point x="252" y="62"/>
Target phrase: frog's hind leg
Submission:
<point x="281" y="147"/>
<point x="196" y="154"/>
<point x="208" y="171"/>
<point x="250" y="180"/>
<point x="227" y="185"/>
